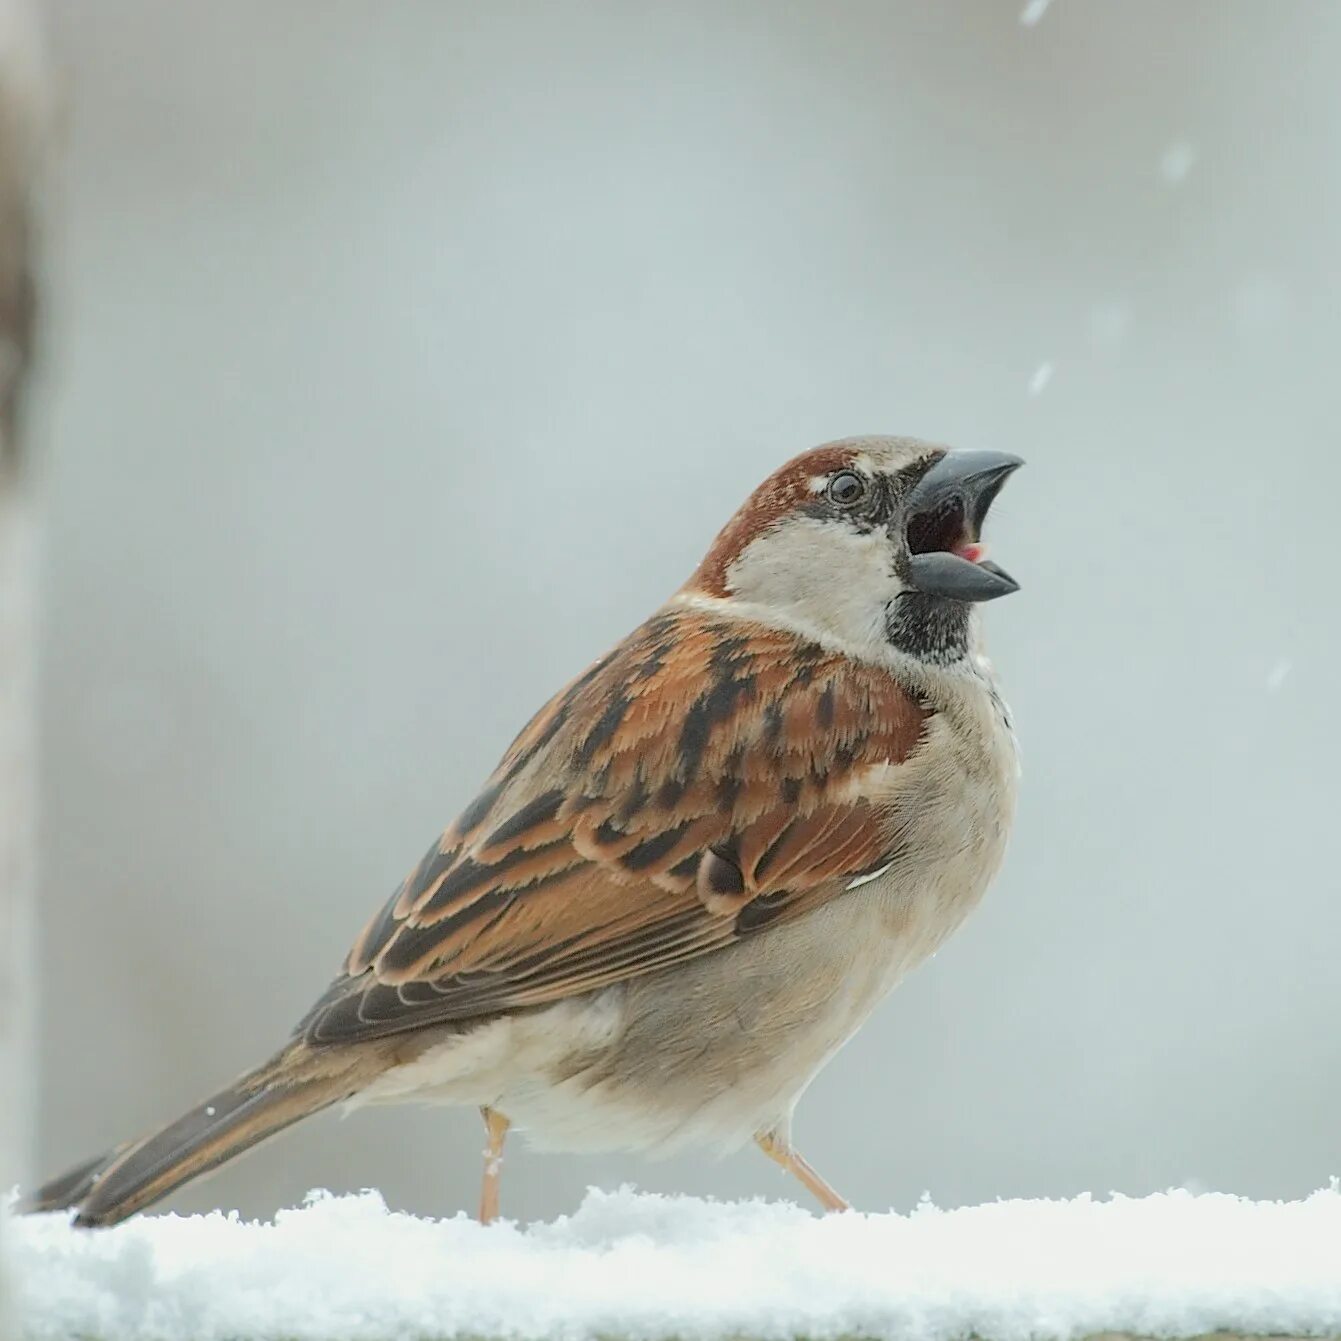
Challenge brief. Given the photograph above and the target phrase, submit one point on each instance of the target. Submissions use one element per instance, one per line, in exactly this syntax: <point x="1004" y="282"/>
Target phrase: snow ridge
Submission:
<point x="651" y="1268"/>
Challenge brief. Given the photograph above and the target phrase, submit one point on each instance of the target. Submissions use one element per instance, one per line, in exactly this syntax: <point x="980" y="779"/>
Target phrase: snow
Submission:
<point x="1033" y="11"/>
<point x="647" y="1267"/>
<point x="1042" y="376"/>
<point x="1176" y="162"/>
<point x="1278" y="674"/>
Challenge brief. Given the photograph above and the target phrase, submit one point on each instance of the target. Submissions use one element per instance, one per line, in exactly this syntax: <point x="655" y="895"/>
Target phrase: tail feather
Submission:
<point x="71" y="1187"/>
<point x="292" y="1085"/>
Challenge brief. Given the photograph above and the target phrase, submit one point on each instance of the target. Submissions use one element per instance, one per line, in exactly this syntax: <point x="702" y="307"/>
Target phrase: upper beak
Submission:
<point x="946" y="510"/>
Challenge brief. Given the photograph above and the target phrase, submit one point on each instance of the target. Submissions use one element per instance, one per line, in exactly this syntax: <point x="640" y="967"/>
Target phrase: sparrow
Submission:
<point x="700" y="865"/>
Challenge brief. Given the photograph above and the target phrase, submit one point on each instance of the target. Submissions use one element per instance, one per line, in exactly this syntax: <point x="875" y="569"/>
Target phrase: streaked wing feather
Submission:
<point x="576" y="866"/>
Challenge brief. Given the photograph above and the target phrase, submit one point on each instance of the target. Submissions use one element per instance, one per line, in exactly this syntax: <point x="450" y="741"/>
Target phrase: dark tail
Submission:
<point x="293" y="1084"/>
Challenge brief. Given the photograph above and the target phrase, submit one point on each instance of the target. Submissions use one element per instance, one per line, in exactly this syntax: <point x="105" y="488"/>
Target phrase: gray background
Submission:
<point x="403" y="356"/>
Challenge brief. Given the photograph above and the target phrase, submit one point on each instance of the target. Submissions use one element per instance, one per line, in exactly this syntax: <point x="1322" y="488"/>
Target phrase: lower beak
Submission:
<point x="946" y="510"/>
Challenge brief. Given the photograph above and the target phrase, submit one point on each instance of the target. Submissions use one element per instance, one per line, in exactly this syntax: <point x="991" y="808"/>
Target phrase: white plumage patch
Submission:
<point x="869" y="876"/>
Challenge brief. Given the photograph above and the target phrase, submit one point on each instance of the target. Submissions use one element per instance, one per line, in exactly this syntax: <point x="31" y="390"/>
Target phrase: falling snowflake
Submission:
<point x="1042" y="376"/>
<point x="1277" y="675"/>
<point x="1033" y="11"/>
<point x="1176" y="162"/>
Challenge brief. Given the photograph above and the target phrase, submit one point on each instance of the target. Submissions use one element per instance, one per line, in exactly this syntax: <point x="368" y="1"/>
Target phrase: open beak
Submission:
<point x="946" y="510"/>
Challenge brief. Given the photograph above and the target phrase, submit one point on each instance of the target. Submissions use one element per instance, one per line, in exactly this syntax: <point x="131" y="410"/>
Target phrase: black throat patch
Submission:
<point x="930" y="628"/>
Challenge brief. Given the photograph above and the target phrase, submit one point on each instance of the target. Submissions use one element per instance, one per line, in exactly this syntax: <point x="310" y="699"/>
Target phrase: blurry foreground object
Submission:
<point x="20" y="116"/>
<point x="697" y="869"/>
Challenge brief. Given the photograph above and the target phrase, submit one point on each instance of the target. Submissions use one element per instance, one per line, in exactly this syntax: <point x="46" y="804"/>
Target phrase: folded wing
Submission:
<point x="704" y="780"/>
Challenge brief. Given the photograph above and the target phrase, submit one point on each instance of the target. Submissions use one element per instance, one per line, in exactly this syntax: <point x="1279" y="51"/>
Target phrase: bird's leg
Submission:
<point x="496" y="1125"/>
<point x="779" y="1149"/>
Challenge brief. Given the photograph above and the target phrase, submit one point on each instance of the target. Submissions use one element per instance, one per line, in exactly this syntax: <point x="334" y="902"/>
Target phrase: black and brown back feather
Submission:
<point x="700" y="737"/>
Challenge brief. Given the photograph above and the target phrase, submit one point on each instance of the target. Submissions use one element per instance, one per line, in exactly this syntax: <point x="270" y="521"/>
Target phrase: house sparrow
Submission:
<point x="698" y="867"/>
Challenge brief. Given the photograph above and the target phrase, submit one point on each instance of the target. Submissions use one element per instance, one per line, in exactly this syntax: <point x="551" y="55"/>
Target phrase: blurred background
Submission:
<point x="401" y="357"/>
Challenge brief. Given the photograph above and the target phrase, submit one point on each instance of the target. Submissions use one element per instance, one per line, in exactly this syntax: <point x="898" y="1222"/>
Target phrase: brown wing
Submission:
<point x="699" y="783"/>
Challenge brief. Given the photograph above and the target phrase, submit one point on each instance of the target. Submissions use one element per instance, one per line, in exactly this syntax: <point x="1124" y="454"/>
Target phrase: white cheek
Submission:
<point x="821" y="574"/>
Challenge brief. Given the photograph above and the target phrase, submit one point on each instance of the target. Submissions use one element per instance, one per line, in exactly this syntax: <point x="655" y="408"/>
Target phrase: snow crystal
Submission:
<point x="1176" y="162"/>
<point x="1033" y="11"/>
<point x="1042" y="376"/>
<point x="651" y="1267"/>
<point x="1278" y="673"/>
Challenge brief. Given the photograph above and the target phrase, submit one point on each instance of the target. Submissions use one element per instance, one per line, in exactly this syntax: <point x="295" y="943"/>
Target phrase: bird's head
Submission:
<point x="869" y="542"/>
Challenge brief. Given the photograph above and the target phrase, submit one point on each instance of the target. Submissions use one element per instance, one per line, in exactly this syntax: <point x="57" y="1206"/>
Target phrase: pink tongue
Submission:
<point x="974" y="551"/>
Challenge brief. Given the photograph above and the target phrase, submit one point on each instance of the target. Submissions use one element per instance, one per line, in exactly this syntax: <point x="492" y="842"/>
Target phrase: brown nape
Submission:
<point x="782" y="492"/>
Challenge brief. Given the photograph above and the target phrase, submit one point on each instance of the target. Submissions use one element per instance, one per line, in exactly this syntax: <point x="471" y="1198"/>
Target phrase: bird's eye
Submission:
<point x="847" y="488"/>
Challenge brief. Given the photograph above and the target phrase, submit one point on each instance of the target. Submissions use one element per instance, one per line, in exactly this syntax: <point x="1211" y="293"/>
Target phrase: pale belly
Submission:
<point x="706" y="1054"/>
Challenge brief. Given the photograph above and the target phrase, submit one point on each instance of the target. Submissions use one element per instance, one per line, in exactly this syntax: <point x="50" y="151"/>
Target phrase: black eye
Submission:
<point x="847" y="488"/>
